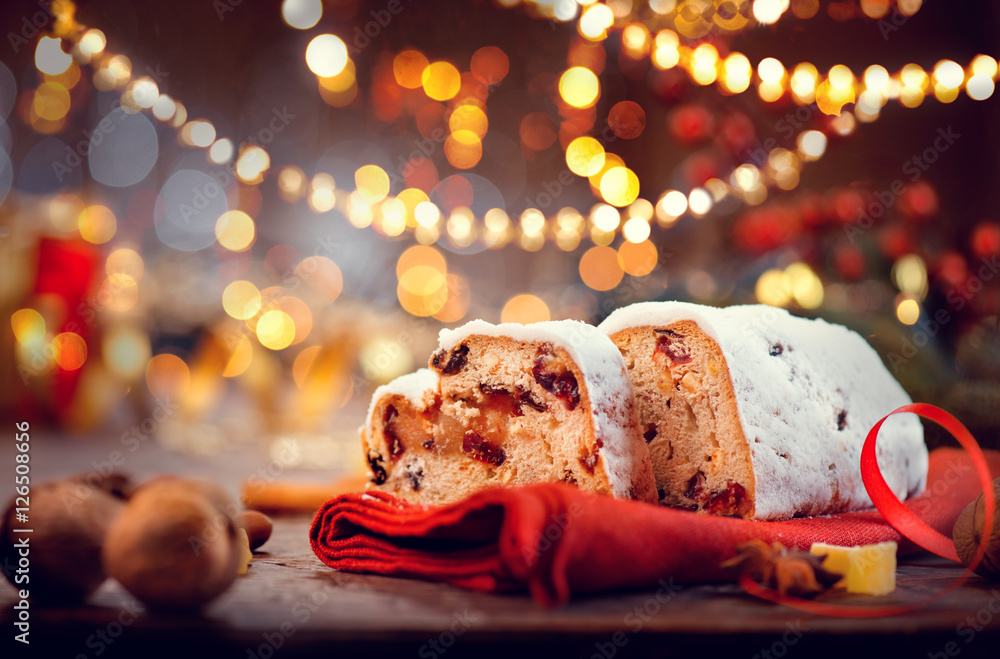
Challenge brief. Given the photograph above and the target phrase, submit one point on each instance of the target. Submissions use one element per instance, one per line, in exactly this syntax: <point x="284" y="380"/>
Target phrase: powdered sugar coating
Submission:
<point x="415" y="387"/>
<point x="807" y="394"/>
<point x="612" y="407"/>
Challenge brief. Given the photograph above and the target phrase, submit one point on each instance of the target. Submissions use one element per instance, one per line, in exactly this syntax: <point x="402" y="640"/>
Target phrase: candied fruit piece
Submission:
<point x="866" y="570"/>
<point x="562" y="385"/>
<point x="776" y="350"/>
<point x="731" y="501"/>
<point x="482" y="449"/>
<point x="456" y="360"/>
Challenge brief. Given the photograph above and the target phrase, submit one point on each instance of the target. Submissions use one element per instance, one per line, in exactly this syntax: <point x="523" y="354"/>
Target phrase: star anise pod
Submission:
<point x="789" y="571"/>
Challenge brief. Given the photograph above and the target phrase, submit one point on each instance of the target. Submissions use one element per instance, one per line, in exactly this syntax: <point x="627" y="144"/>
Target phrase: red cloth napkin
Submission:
<point x="557" y="540"/>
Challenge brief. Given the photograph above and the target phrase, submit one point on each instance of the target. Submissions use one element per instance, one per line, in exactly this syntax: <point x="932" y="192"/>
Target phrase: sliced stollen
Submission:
<point x="510" y="404"/>
<point x="751" y="411"/>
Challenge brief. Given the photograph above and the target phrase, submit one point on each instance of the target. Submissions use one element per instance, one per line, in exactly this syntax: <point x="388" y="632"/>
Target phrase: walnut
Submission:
<point x="968" y="533"/>
<point x="789" y="571"/>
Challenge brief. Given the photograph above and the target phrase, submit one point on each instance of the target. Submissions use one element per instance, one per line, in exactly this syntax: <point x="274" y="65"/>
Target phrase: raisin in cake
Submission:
<point x="754" y="412"/>
<point x="509" y="405"/>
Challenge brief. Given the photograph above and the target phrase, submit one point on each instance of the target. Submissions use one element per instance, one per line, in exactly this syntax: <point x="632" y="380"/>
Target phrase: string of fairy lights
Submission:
<point x="669" y="35"/>
<point x="619" y="209"/>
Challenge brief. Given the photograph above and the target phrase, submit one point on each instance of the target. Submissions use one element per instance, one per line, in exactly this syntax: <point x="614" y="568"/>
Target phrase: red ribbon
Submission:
<point x="903" y="520"/>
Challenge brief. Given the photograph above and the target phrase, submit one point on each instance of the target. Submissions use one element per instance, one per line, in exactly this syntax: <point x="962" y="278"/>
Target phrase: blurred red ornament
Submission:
<point x="894" y="241"/>
<point x="919" y="202"/>
<point x="738" y="136"/>
<point x="669" y="86"/>
<point x="848" y="206"/>
<point x="986" y="239"/>
<point x="849" y="262"/>
<point x="811" y="210"/>
<point x="951" y="269"/>
<point x="690" y="124"/>
<point x="699" y="167"/>
<point x="762" y="229"/>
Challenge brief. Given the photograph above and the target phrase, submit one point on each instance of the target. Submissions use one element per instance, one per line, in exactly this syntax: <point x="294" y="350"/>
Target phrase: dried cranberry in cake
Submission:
<point x="457" y="359"/>
<point x="391" y="437"/>
<point x="555" y="378"/>
<point x="695" y="486"/>
<point x="527" y="398"/>
<point x="841" y="419"/>
<point x="482" y="449"/>
<point x="377" y="468"/>
<point x="669" y="343"/>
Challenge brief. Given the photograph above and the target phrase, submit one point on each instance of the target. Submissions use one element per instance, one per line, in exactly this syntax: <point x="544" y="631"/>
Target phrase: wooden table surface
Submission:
<point x="290" y="605"/>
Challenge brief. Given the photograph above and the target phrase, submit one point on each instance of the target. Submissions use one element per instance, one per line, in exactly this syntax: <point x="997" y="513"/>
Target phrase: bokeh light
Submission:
<point x="241" y="299"/>
<point x="525" y="308"/>
<point x="97" y="224"/>
<point x="276" y="330"/>
<point x="69" y="351"/>
<point x="408" y="68"/>
<point x="125" y="350"/>
<point x="579" y="87"/>
<point x="441" y="81"/>
<point x="235" y="231"/>
<point x="167" y="377"/>
<point x="326" y="55"/>
<point x="585" y="156"/>
<point x="600" y="269"/>
<point x="50" y="58"/>
<point x="301" y="14"/>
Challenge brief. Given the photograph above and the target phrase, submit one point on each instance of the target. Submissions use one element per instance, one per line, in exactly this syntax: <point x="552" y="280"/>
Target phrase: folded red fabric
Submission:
<point x="556" y="540"/>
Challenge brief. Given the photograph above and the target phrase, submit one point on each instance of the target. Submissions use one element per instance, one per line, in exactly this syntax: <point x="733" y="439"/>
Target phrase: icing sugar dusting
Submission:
<point x="412" y="386"/>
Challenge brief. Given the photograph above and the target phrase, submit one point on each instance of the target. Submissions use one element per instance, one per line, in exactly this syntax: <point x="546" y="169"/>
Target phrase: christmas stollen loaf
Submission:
<point x="751" y="411"/>
<point x="510" y="404"/>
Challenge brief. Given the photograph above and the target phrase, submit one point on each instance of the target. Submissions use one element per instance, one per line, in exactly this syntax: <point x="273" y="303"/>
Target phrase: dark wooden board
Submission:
<point x="289" y="604"/>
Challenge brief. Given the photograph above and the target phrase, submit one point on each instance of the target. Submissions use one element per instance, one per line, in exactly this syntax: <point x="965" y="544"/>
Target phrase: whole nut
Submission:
<point x="174" y="546"/>
<point x="69" y="521"/>
<point x="968" y="533"/>
<point x="257" y="525"/>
